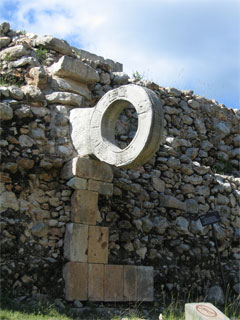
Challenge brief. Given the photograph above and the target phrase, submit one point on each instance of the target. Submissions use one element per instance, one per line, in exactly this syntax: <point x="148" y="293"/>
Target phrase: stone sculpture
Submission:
<point x="92" y="129"/>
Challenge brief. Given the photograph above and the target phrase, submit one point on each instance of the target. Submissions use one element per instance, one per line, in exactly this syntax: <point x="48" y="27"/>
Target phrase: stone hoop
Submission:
<point x="150" y="126"/>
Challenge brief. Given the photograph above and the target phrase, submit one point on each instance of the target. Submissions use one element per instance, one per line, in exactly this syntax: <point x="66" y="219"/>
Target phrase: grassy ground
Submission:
<point x="10" y="310"/>
<point x="55" y="315"/>
<point x="38" y="311"/>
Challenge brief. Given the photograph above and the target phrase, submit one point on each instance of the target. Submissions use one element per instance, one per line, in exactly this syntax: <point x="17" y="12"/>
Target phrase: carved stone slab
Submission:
<point x="203" y="311"/>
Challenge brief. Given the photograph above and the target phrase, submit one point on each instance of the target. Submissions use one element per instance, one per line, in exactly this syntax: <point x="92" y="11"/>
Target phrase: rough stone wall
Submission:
<point x="153" y="215"/>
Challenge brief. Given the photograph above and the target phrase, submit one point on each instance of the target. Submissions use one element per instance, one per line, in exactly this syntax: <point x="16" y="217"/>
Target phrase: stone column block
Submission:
<point x="76" y="242"/>
<point x="104" y="188"/>
<point x="98" y="244"/>
<point x="87" y="169"/>
<point x="113" y="283"/>
<point x="145" y="290"/>
<point x="130" y="283"/>
<point x="77" y="183"/>
<point x="84" y="207"/>
<point x="75" y="275"/>
<point x="96" y="282"/>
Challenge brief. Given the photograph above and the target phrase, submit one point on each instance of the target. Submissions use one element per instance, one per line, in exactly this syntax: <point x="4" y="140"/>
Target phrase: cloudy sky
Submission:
<point x="186" y="44"/>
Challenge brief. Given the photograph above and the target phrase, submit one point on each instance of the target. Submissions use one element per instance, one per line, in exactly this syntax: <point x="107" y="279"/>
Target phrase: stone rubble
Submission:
<point x="153" y="215"/>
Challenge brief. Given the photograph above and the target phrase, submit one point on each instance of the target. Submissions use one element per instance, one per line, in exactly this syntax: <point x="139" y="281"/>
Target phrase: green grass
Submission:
<point x="21" y="315"/>
<point x="10" y="79"/>
<point x="41" y="53"/>
<point x="8" y="57"/>
<point x="12" y="310"/>
<point x="138" y="76"/>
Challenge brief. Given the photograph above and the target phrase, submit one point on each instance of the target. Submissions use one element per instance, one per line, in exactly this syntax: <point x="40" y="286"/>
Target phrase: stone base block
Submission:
<point x="113" y="283"/>
<point x="203" y="311"/>
<point x="104" y="188"/>
<point x="76" y="242"/>
<point x="145" y="291"/>
<point x="87" y="169"/>
<point x="84" y="207"/>
<point x="99" y="282"/>
<point x="76" y="281"/>
<point x="98" y="244"/>
<point x="130" y="282"/>
<point x="96" y="282"/>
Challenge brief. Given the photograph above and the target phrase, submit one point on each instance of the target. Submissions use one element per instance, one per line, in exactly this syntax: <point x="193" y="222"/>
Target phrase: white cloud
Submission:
<point x="173" y="42"/>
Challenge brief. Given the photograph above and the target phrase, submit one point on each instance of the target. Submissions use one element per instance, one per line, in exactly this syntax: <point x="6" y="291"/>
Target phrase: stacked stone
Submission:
<point x="36" y="97"/>
<point x="153" y="216"/>
<point x="157" y="207"/>
<point x="87" y="274"/>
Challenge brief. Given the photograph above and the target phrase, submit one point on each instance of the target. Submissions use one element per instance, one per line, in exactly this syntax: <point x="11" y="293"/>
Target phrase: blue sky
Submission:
<point x="186" y="44"/>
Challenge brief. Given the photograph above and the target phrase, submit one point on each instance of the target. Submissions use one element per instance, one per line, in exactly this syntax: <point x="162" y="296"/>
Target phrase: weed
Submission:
<point x="41" y="53"/>
<point x="137" y="76"/>
<point x="3" y="83"/>
<point x="9" y="79"/>
<point x="231" y="308"/>
<point x="78" y="53"/>
<point x="8" y="57"/>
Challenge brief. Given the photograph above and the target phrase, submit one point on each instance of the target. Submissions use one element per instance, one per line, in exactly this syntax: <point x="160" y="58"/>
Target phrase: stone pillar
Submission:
<point x="85" y="244"/>
<point x="87" y="274"/>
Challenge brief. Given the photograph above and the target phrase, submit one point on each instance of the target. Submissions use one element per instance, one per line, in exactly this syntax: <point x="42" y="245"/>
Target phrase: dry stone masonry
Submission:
<point x="149" y="214"/>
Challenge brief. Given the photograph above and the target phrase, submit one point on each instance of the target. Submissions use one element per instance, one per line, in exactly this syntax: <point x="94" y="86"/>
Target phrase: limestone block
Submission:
<point x="113" y="65"/>
<point x="113" y="283"/>
<point x="13" y="53"/>
<point x="66" y="98"/>
<point x="4" y="28"/>
<point x="8" y="200"/>
<point x="76" y="242"/>
<point x="4" y="41"/>
<point x="130" y="283"/>
<point x="75" y="275"/>
<point x="74" y="69"/>
<point x="145" y="290"/>
<point x="79" y="129"/>
<point x="60" y="84"/>
<point x="104" y="188"/>
<point x="6" y="112"/>
<point x="84" y="207"/>
<point x="50" y="42"/>
<point x="98" y="244"/>
<point x="77" y="183"/>
<point x="203" y="311"/>
<point x="158" y="184"/>
<point x="120" y="78"/>
<point x="171" y="202"/>
<point x="88" y="169"/>
<point x="96" y="282"/>
<point x="40" y="229"/>
<point x="37" y="77"/>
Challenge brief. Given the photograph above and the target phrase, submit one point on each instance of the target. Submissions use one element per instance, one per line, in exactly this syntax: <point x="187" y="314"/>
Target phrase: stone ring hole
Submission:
<point x="120" y="123"/>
